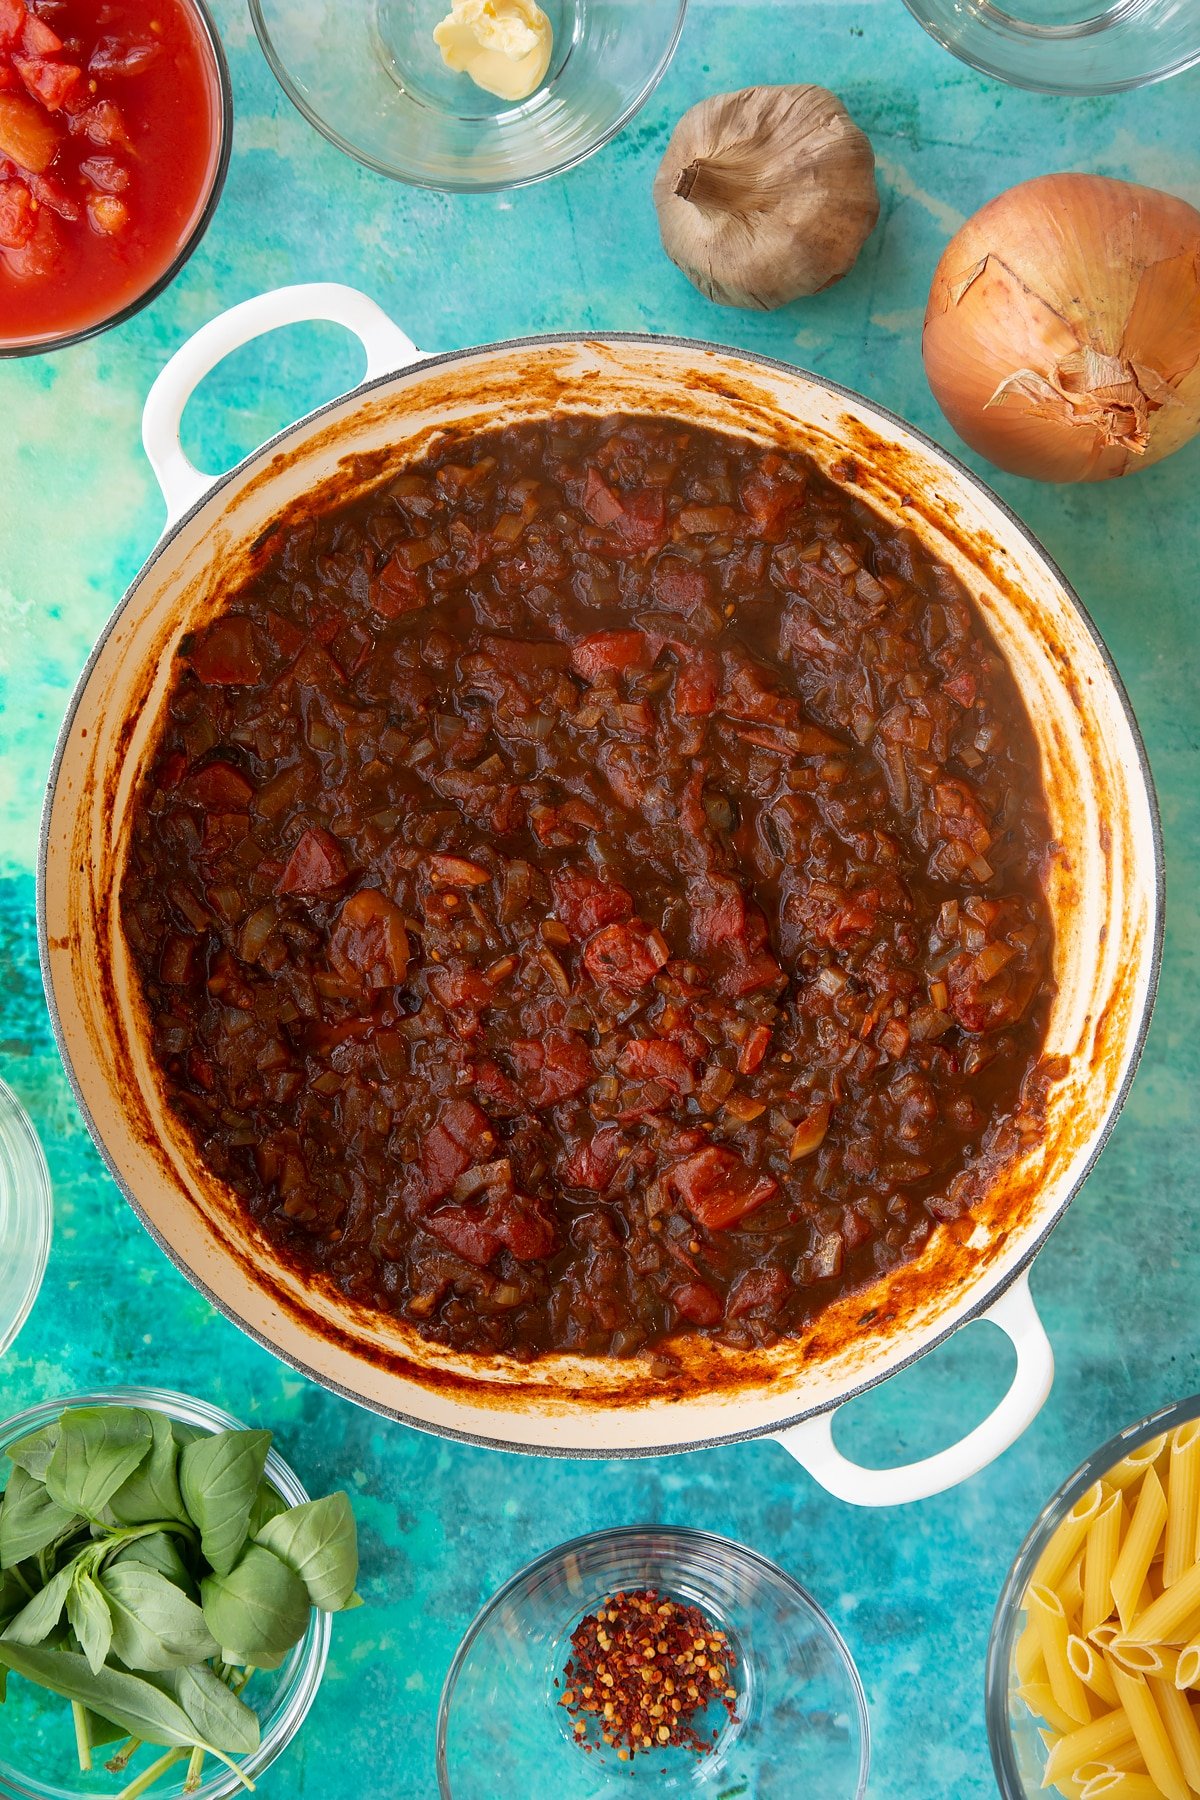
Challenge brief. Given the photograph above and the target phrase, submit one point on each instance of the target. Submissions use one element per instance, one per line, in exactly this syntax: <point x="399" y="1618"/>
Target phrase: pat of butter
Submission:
<point x="503" y="45"/>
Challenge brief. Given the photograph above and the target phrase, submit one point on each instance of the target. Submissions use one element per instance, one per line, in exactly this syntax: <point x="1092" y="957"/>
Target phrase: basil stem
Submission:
<point x="83" y="1742"/>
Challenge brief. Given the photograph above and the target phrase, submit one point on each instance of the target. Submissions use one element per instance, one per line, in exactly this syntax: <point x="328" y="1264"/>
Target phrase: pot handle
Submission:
<point x="811" y="1442"/>
<point x="387" y="347"/>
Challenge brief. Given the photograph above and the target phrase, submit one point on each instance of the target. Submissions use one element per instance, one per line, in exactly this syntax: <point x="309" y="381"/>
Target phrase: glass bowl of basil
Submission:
<point x="166" y="1586"/>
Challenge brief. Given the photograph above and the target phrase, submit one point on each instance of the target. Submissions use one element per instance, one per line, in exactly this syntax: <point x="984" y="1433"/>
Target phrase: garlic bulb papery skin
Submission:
<point x="1062" y="336"/>
<point x="766" y="194"/>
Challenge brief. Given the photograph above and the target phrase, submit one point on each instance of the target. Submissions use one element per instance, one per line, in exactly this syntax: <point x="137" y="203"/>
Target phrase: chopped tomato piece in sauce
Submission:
<point x="718" y="1189"/>
<point x="315" y="865"/>
<point x="657" y="1059"/>
<point x="611" y="652"/>
<point x="226" y="655"/>
<point x="586" y="902"/>
<point x="626" y="955"/>
<point x="551" y="1069"/>
<point x="369" y="940"/>
<point x="697" y="1302"/>
<point x="594" y="1163"/>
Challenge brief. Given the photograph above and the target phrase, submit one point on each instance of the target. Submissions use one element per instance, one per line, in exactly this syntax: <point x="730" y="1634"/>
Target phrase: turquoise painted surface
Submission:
<point x="443" y="1525"/>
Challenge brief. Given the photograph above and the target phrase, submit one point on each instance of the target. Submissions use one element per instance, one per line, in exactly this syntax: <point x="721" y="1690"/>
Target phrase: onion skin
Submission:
<point x="1082" y="294"/>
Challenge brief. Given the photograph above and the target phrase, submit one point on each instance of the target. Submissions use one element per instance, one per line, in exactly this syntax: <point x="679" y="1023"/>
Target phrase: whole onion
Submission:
<point x="1062" y="336"/>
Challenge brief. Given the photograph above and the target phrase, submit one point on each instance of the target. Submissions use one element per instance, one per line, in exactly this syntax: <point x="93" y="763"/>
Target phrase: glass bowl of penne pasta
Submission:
<point x="1093" y="1677"/>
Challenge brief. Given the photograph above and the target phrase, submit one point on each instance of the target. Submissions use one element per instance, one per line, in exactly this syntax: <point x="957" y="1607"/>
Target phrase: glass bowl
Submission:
<point x="801" y="1724"/>
<point x="1018" y="1755"/>
<point x="26" y="1214"/>
<point x="206" y="207"/>
<point x="37" y="1725"/>
<point x="370" y="77"/>
<point x="1067" y="46"/>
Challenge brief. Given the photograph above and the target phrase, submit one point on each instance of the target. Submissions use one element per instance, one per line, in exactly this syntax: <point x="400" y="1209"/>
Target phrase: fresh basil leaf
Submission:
<point x="29" y="1519"/>
<point x="319" y="1543"/>
<point x="33" y="1453"/>
<point x="102" y="1730"/>
<point x="152" y="1491"/>
<point x="260" y="1608"/>
<point x="38" y="1617"/>
<point x="158" y="1550"/>
<point x="264" y="1659"/>
<point x="268" y="1503"/>
<point x="90" y="1618"/>
<point x="220" y="1718"/>
<point x="137" y="1706"/>
<point x="219" y="1477"/>
<point x="98" y="1448"/>
<point x="13" y="1595"/>
<point x="154" y="1626"/>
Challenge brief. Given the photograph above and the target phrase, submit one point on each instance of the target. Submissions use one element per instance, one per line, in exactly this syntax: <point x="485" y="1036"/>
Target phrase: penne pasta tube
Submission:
<point x="1125" y="1756"/>
<point x="1046" y="1609"/>
<point x="1070" y="1589"/>
<point x="1091" y="1742"/>
<point x="1131" y="1468"/>
<point x="1141" y="1540"/>
<point x="1065" y="1785"/>
<point x="1039" y="1698"/>
<point x="1068" y="1540"/>
<point x="1103" y="1635"/>
<point x="1146" y="1723"/>
<point x="1143" y="1659"/>
<point x="1182" y="1728"/>
<point x="1183" y="1502"/>
<point x="1119" y="1784"/>
<point x="1100" y="1559"/>
<point x="1166" y="1619"/>
<point x="1028" y="1660"/>
<point x="1091" y="1669"/>
<point x="1187" y="1668"/>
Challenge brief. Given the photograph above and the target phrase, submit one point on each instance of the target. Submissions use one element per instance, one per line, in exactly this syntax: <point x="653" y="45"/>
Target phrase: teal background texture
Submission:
<point x="442" y="1525"/>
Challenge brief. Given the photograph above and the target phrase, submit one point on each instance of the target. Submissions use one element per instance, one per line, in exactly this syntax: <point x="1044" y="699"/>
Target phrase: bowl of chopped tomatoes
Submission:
<point x="115" y="127"/>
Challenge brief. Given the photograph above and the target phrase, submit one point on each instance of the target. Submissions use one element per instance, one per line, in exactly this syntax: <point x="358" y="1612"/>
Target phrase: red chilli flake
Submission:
<point x="644" y="1668"/>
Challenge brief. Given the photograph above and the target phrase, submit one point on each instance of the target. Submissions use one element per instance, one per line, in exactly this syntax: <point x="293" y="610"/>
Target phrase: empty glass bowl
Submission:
<point x="1067" y="46"/>
<point x="370" y="77"/>
<point x="801" y="1717"/>
<point x="1018" y="1754"/>
<point x="25" y="1216"/>
<point x="37" y="1745"/>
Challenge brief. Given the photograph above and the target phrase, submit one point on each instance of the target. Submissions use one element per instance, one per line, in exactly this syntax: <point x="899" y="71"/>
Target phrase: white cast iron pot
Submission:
<point x="1104" y="888"/>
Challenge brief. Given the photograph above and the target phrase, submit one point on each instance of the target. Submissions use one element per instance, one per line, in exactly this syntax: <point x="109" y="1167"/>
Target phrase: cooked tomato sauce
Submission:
<point x="109" y="143"/>
<point x="590" y="889"/>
